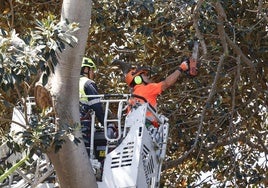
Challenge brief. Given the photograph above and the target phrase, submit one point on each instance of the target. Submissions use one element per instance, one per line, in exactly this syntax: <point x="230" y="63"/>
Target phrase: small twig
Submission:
<point x="12" y="13"/>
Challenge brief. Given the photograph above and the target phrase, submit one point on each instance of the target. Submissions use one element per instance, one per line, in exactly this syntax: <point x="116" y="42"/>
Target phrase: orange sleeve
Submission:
<point x="156" y="88"/>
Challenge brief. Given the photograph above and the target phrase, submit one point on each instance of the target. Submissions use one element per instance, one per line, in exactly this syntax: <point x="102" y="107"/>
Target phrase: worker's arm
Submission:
<point x="172" y="78"/>
<point x="91" y="89"/>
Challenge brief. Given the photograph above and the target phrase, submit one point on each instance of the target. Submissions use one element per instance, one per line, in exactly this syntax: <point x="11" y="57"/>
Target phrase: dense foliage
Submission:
<point x="218" y="119"/>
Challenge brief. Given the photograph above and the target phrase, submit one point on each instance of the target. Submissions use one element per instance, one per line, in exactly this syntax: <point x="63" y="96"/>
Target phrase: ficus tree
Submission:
<point x="218" y="119"/>
<point x="45" y="52"/>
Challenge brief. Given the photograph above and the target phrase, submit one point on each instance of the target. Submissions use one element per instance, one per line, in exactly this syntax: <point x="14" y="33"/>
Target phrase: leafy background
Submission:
<point x="218" y="119"/>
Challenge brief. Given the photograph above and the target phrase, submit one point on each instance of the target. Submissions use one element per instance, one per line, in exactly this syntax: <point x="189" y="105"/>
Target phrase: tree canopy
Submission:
<point x="219" y="118"/>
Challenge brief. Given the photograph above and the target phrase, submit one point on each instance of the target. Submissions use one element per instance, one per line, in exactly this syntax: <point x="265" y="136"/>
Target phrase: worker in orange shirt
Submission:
<point x="142" y="86"/>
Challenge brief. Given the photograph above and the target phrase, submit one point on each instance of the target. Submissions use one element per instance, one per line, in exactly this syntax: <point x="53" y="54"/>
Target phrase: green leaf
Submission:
<point x="77" y="141"/>
<point x="54" y="57"/>
<point x="44" y="79"/>
<point x="3" y="32"/>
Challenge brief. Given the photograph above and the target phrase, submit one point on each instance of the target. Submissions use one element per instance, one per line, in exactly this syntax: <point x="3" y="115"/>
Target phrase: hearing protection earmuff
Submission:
<point x="138" y="79"/>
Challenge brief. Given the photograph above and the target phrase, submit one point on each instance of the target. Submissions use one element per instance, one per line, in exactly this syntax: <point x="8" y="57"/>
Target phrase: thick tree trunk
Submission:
<point x="71" y="163"/>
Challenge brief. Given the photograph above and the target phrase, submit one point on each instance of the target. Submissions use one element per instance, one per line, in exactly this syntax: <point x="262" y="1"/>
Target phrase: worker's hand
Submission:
<point x="189" y="67"/>
<point x="184" y="66"/>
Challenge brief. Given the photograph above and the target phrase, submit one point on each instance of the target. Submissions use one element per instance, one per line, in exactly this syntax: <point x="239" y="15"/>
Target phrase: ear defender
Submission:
<point x="138" y="80"/>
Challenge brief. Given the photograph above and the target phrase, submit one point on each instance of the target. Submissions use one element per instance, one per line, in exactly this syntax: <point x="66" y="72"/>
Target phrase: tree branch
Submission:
<point x="173" y="163"/>
<point x="239" y="52"/>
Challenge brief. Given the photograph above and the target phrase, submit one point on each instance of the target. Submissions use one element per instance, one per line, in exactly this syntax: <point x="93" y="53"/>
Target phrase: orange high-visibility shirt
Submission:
<point x="149" y="92"/>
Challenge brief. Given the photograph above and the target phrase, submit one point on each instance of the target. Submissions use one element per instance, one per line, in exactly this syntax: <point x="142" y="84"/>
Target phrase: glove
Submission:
<point x="189" y="67"/>
<point x="184" y="66"/>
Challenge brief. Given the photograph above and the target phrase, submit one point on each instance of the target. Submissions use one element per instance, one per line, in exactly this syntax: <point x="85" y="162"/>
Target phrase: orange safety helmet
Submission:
<point x="130" y="76"/>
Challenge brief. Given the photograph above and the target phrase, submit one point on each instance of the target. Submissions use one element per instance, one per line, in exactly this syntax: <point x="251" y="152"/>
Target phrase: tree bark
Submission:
<point x="71" y="163"/>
